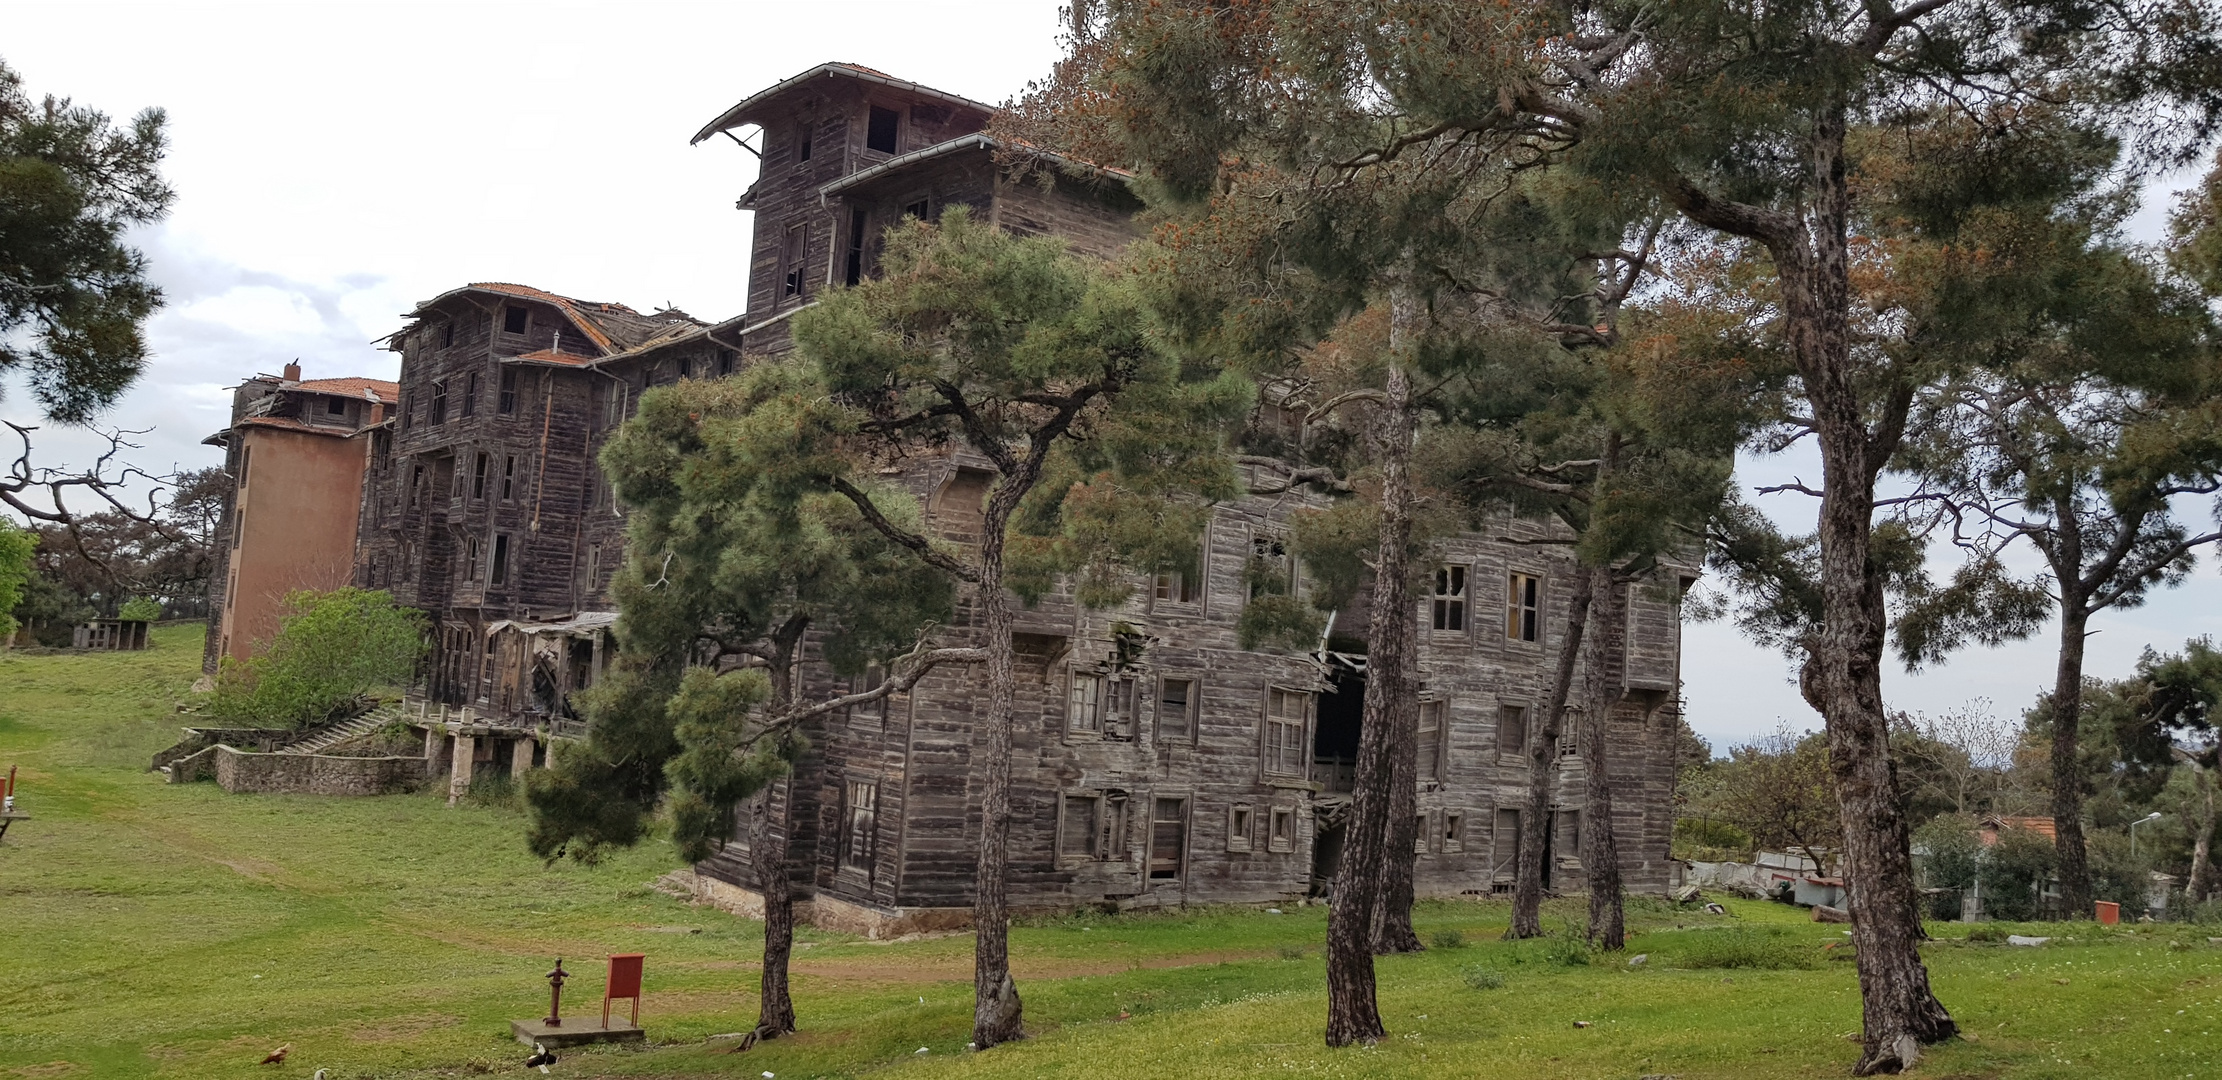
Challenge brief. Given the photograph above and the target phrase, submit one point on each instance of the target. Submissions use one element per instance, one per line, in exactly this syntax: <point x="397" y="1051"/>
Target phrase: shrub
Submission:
<point x="1740" y="948"/>
<point x="332" y="652"/>
<point x="1710" y="833"/>
<point x="1952" y="862"/>
<point x="1556" y="950"/>
<point x="1446" y="939"/>
<point x="1481" y="978"/>
<point x="2116" y="874"/>
<point x="140" y="607"/>
<point x="1293" y="952"/>
<point x="2013" y="871"/>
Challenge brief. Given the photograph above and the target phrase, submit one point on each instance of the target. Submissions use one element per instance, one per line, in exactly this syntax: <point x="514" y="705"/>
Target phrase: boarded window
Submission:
<point x="1285" y="712"/>
<point x="500" y="572"/>
<point x="853" y="273"/>
<point x="1523" y="596"/>
<point x="1504" y="837"/>
<point x="1241" y="817"/>
<point x="1077" y="834"/>
<point x="1175" y="587"/>
<point x="798" y="242"/>
<point x="508" y="403"/>
<point x="881" y="128"/>
<point x="470" y="394"/>
<point x="1176" y="709"/>
<point x="1283" y="836"/>
<point x="1433" y="736"/>
<point x="1168" y="838"/>
<point x="1512" y="730"/>
<point x="1454" y="831"/>
<point x="1450" y="599"/>
<point x="861" y="814"/>
<point x="515" y="319"/>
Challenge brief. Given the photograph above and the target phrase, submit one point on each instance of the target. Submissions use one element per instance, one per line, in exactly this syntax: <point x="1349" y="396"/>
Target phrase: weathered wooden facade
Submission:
<point x="1202" y="772"/>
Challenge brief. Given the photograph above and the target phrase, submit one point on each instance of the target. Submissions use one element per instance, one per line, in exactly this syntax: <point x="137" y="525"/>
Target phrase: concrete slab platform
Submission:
<point x="576" y="1031"/>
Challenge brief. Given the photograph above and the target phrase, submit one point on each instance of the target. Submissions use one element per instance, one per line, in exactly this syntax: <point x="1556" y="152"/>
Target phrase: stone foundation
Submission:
<point x="829" y="912"/>
<point x="315" y="774"/>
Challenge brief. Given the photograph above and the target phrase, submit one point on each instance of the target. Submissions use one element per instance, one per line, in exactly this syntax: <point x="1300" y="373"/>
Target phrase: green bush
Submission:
<point x="1953" y="861"/>
<point x="1740" y="948"/>
<point x="141" y="608"/>
<point x="2116" y="874"/>
<point x="1710" y="834"/>
<point x="333" y="651"/>
<point x="2014" y="871"/>
<point x="1481" y="978"/>
<point x="1556" y="950"/>
<point x="1446" y="939"/>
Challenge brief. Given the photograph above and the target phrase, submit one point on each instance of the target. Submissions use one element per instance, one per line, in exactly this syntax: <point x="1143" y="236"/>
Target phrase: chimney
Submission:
<point x="293" y="371"/>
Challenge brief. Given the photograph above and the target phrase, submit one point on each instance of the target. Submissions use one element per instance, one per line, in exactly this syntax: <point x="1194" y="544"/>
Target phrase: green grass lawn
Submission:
<point x="152" y="930"/>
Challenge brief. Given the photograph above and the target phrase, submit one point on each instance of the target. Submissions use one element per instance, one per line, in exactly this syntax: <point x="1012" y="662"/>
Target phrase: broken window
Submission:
<point x="920" y="210"/>
<point x="1176" y="709"/>
<point x="1433" y="736"/>
<point x="1172" y="586"/>
<point x="1450" y="598"/>
<point x="1271" y="571"/>
<point x="686" y="367"/>
<point x="862" y="820"/>
<point x="438" y="415"/>
<point x="447" y="334"/>
<point x="471" y="560"/>
<point x="508" y="403"/>
<point x="880" y="129"/>
<point x="336" y="406"/>
<point x="613" y="406"/>
<point x="1118" y="708"/>
<point x="1076" y="833"/>
<point x="1285" y="713"/>
<point x="508" y="477"/>
<point x="593" y="567"/>
<point x="500" y="574"/>
<point x="1512" y="730"/>
<point x="798" y="241"/>
<point x="1239" y="819"/>
<point x="1568" y="744"/>
<point x="725" y="361"/>
<point x="515" y="319"/>
<point x="479" y="467"/>
<point x="1454" y="831"/>
<point x="1084" y="712"/>
<point x="1168" y="838"/>
<point x="854" y="275"/>
<point x="1283" y="834"/>
<point x="1522" y="603"/>
<point x="802" y="144"/>
<point x="470" y="394"/>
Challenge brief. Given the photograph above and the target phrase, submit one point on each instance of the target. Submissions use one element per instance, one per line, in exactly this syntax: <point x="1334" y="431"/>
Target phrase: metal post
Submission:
<point x="555" y="994"/>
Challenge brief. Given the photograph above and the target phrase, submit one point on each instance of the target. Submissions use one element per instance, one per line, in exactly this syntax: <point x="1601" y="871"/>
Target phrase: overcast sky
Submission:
<point x="335" y="163"/>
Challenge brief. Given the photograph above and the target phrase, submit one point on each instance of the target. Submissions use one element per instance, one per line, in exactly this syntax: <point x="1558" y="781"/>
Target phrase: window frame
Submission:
<point x="1191" y="710"/>
<point x="859" y="828"/>
<point x="518" y="315"/>
<point x="498" y="563"/>
<point x="1517" y="754"/>
<point x="1276" y="838"/>
<point x="1431" y="762"/>
<point x="1182" y="822"/>
<point x="1301" y="725"/>
<point x="481" y="464"/>
<point x="1186" y="593"/>
<point x="1242" y="819"/>
<point x="469" y="406"/>
<point x="506" y="401"/>
<point x="1453" y="831"/>
<point x="1524" y="613"/>
<point x="1452" y="607"/>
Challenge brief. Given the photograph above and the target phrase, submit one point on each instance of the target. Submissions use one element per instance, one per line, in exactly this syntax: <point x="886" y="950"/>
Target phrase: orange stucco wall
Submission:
<point x="296" y="528"/>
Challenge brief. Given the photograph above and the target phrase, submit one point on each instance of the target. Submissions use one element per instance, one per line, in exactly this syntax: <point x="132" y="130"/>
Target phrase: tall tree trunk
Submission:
<point x="2067" y="758"/>
<point x="1352" y="1013"/>
<point x="1602" y="687"/>
<point x="1392" y="918"/>
<point x="1527" y="889"/>
<point x="996" y="1012"/>
<point x="2197" y="886"/>
<point x="1899" y="1011"/>
<point x="768" y="855"/>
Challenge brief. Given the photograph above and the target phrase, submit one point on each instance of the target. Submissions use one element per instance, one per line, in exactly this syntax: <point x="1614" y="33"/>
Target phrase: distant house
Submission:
<point x="296" y="453"/>
<point x="1987" y="831"/>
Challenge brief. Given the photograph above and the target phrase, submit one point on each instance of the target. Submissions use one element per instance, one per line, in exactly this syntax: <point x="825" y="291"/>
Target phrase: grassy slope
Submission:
<point x="181" y="932"/>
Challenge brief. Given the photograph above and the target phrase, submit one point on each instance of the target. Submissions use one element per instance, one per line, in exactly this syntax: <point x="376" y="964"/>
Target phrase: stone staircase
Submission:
<point x="317" y="740"/>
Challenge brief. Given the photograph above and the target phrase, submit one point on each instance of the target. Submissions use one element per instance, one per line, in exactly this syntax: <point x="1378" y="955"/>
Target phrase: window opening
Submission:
<point x="336" y="406"/>
<point x="471" y="560"/>
<point x="1284" y="731"/>
<point x="470" y="394"/>
<point x="1521" y="602"/>
<point x="855" y="272"/>
<point x="798" y="237"/>
<point x="1271" y="572"/>
<point x="1450" y="598"/>
<point x="1176" y="703"/>
<point x="447" y="334"/>
<point x="508" y="477"/>
<point x="802" y="144"/>
<point x="725" y="361"/>
<point x="880" y="130"/>
<point x="1239" y="818"/>
<point x="1168" y="838"/>
<point x="1077" y="835"/>
<point x="246" y="458"/>
<point x="439" y="404"/>
<point x="1454" y="831"/>
<point x="500" y="576"/>
<point x="918" y="210"/>
<point x="515" y="319"/>
<point x="1118" y="708"/>
<point x="508" y="403"/>
<point x="1283" y="836"/>
<point x="1512" y="729"/>
<point x="1420" y="830"/>
<point x="478" y="474"/>
<point x="1085" y="712"/>
<point x="863" y="821"/>
<point x="416" y="484"/>
<point x="1504" y="844"/>
<point x="1175" y="587"/>
<point x="614" y="405"/>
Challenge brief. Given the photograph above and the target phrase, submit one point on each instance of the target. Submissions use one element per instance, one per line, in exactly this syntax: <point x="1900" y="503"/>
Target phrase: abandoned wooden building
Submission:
<point x="1204" y="773"/>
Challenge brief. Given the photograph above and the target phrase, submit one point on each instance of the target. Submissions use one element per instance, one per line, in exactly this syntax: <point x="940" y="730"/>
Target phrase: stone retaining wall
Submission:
<point x="197" y="740"/>
<point x="315" y="774"/>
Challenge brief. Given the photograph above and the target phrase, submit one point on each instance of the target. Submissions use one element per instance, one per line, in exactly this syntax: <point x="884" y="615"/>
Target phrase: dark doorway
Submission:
<point x="1335" y="738"/>
<point x="1326" y="854"/>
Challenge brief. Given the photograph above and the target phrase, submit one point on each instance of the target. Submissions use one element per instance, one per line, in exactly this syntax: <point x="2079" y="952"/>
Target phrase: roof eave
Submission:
<point x="737" y="116"/>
